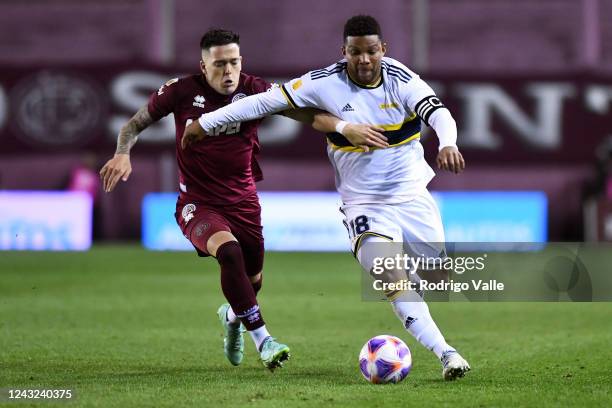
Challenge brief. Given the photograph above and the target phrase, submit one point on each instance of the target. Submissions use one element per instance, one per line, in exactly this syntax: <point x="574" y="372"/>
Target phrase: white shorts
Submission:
<point x="415" y="223"/>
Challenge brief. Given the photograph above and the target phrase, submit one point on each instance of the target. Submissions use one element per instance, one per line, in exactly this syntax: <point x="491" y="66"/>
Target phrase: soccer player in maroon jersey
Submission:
<point x="218" y="208"/>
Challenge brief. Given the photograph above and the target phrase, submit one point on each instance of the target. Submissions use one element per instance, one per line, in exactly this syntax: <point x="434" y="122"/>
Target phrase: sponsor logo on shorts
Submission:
<point x="238" y="96"/>
<point x="187" y="212"/>
<point x="200" y="228"/>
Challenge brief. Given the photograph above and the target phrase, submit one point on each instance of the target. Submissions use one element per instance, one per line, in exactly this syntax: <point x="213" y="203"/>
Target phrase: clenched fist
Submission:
<point x="450" y="159"/>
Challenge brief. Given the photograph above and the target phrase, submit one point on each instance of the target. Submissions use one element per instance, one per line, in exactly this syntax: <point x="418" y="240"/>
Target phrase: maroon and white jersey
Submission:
<point x="216" y="170"/>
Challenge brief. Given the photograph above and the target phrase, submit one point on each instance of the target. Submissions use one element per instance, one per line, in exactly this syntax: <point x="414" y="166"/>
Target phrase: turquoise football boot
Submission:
<point x="233" y="341"/>
<point x="273" y="354"/>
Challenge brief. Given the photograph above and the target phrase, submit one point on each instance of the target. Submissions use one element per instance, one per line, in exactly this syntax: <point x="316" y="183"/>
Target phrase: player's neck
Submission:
<point x="372" y="84"/>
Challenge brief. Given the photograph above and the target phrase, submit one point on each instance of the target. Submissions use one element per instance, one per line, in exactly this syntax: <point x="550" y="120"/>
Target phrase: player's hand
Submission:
<point x="450" y="159"/>
<point x="119" y="167"/>
<point x="365" y="136"/>
<point x="192" y="133"/>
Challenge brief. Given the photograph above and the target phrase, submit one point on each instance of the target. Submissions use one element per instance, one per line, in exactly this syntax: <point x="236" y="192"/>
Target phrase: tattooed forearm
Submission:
<point x="130" y="131"/>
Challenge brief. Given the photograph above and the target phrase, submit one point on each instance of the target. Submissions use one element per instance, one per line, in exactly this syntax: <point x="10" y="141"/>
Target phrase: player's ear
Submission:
<point x="383" y="48"/>
<point x="344" y="50"/>
<point x="202" y="67"/>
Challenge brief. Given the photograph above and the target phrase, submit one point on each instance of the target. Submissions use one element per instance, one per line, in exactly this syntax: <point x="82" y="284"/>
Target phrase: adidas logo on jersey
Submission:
<point x="198" y="101"/>
<point x="348" y="108"/>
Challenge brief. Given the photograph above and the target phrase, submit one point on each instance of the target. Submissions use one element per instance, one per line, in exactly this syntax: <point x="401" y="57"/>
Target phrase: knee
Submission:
<point x="217" y="240"/>
<point x="229" y="254"/>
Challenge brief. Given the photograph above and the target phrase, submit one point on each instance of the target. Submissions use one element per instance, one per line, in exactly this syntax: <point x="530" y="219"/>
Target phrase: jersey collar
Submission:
<point x="374" y="86"/>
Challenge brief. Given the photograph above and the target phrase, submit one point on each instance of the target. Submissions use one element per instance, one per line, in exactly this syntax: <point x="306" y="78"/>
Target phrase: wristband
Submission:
<point x="442" y="146"/>
<point x="340" y="126"/>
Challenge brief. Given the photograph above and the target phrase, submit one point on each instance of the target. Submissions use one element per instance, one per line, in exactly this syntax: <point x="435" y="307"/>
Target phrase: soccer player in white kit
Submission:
<point x="383" y="190"/>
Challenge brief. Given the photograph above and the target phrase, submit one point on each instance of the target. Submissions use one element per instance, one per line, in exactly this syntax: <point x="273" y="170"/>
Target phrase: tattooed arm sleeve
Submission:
<point x="130" y="131"/>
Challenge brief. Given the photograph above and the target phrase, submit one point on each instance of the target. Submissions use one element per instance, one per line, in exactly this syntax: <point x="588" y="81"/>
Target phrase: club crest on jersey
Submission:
<point x="238" y="96"/>
<point x="198" y="101"/>
<point x="187" y="212"/>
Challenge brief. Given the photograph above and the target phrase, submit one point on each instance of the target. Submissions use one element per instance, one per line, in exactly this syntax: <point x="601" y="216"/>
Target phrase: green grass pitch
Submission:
<point x="126" y="327"/>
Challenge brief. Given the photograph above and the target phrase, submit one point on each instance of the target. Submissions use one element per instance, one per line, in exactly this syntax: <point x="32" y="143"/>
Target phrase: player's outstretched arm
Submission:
<point x="252" y="107"/>
<point x="120" y="167"/>
<point x="360" y="135"/>
<point x="193" y="133"/>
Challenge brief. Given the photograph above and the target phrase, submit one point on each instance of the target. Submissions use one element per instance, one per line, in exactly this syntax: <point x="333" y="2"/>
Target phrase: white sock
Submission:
<point x="231" y="317"/>
<point x="409" y="306"/>
<point x="414" y="313"/>
<point x="259" y="335"/>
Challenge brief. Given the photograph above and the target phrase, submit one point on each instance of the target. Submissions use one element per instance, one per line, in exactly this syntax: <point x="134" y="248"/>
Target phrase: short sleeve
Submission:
<point x="418" y="97"/>
<point x="162" y="102"/>
<point x="301" y="92"/>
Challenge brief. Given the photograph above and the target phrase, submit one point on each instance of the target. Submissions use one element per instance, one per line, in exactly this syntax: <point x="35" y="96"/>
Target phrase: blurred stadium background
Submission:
<point x="530" y="84"/>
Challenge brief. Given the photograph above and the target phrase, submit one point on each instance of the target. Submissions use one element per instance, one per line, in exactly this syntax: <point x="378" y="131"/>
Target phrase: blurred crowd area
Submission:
<point x="470" y="36"/>
<point x="529" y="82"/>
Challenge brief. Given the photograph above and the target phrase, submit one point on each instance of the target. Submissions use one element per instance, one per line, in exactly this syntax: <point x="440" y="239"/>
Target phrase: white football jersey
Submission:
<point x="398" y="104"/>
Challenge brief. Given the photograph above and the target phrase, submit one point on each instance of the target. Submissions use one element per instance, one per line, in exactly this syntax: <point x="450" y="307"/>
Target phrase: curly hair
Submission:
<point x="360" y="25"/>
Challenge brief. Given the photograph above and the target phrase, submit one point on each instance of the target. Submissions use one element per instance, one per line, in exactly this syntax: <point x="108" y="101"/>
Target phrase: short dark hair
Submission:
<point x="216" y="36"/>
<point x="360" y="25"/>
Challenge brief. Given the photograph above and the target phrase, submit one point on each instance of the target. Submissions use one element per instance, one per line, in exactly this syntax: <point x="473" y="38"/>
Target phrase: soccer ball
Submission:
<point x="385" y="359"/>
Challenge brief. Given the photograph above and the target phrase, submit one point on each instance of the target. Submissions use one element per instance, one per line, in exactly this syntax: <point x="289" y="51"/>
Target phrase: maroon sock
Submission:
<point x="237" y="287"/>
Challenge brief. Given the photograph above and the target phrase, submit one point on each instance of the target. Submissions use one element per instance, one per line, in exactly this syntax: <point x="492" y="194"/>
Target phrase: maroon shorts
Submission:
<point x="199" y="222"/>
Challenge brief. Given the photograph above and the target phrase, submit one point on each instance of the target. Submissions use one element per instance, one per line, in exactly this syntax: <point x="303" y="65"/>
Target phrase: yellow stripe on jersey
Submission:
<point x="375" y="84"/>
<point x="392" y="105"/>
<point x="408" y="131"/>
<point x="355" y="149"/>
<point x="397" y="126"/>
